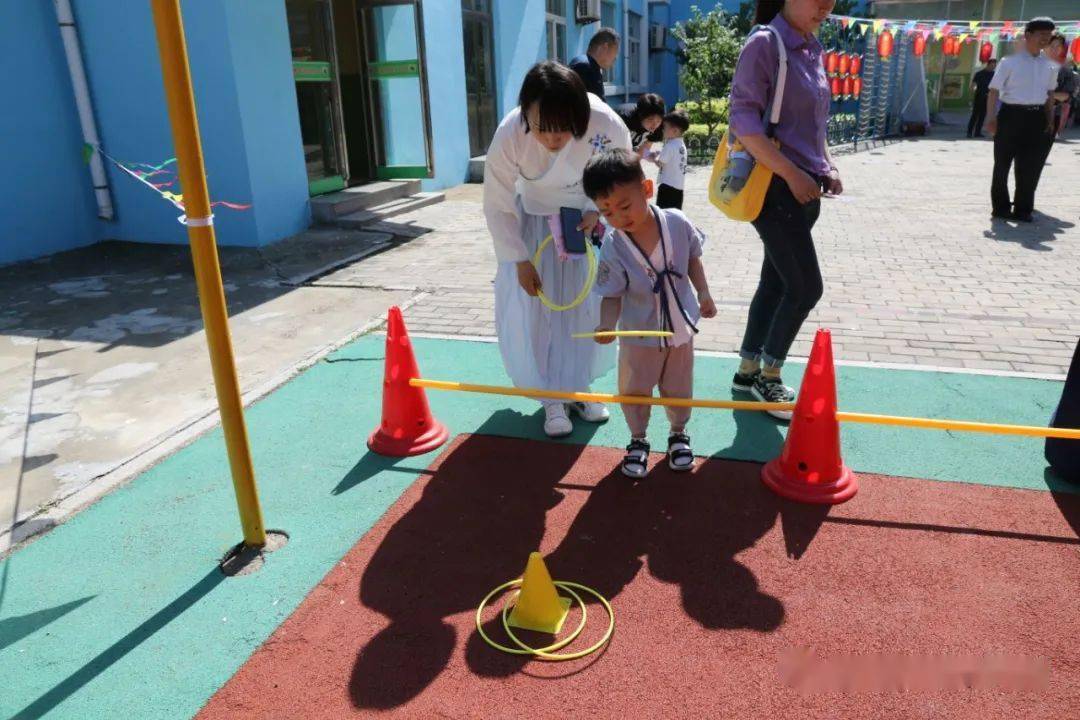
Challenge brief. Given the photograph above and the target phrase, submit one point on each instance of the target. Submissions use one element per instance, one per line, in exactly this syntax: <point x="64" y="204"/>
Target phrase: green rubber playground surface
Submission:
<point x="122" y="612"/>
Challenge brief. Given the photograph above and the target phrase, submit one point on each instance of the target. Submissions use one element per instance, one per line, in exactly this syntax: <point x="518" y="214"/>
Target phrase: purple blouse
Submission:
<point x="805" y="110"/>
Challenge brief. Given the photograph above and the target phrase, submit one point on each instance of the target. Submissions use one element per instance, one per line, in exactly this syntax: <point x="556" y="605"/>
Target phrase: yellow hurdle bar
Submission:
<point x="959" y="425"/>
<point x="185" y="127"/>
<point x="598" y="397"/>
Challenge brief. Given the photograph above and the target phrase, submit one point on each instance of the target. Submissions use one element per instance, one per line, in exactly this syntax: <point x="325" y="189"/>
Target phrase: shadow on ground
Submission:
<point x="143" y="295"/>
<point x="115" y="652"/>
<point x="1032" y="236"/>
<point x="486" y="507"/>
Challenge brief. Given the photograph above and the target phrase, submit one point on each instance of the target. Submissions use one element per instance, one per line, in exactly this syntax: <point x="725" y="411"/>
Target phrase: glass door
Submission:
<point x="479" y="73"/>
<point x="318" y="96"/>
<point x="397" y="88"/>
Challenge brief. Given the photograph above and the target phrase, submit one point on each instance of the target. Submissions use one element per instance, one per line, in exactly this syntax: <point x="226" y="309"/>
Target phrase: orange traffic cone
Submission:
<point x="407" y="425"/>
<point x="810" y="468"/>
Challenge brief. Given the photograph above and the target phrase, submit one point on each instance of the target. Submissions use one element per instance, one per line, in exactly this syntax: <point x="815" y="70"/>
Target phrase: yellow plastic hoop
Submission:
<point x="545" y="653"/>
<point x="529" y="651"/>
<point x="590" y="255"/>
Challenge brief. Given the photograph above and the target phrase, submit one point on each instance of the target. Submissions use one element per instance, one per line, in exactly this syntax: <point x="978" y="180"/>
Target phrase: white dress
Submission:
<point x="524" y="183"/>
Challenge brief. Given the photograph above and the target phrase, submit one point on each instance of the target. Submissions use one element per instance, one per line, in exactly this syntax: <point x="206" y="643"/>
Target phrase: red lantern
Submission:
<point x="1076" y="49"/>
<point x="849" y="87"/>
<point x="837" y="88"/>
<point x="951" y="46"/>
<point x="986" y="51"/>
<point x="919" y="46"/>
<point x="856" y="64"/>
<point x="885" y="44"/>
<point x="831" y="62"/>
<point x="845" y="64"/>
<point x="856" y="86"/>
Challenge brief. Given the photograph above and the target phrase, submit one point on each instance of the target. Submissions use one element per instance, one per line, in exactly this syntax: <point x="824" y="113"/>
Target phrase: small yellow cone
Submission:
<point x="538" y="605"/>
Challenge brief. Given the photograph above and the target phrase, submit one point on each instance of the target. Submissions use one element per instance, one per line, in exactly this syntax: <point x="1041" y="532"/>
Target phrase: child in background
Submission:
<point x="672" y="161"/>
<point x="648" y="262"/>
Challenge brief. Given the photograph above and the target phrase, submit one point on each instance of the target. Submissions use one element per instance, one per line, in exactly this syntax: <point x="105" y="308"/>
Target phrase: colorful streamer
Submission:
<point x="144" y="171"/>
<point x="942" y="28"/>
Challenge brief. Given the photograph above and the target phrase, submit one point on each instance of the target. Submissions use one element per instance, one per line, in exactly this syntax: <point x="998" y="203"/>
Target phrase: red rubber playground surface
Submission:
<point x="728" y="600"/>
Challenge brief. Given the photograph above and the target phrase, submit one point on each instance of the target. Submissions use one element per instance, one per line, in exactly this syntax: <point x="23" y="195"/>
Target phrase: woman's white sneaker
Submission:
<point x="593" y="412"/>
<point x="556" y="423"/>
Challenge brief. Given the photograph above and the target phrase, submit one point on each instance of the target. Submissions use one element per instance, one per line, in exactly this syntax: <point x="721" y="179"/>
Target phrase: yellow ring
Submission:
<point x="590" y="254"/>
<point x="545" y="653"/>
<point x="530" y="651"/>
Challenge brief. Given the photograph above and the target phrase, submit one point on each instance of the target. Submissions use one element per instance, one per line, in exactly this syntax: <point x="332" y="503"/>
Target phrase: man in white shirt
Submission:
<point x="1025" y="83"/>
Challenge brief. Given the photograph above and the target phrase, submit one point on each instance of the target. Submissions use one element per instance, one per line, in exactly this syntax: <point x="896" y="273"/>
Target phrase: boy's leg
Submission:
<point x="639" y="370"/>
<point x="677" y="381"/>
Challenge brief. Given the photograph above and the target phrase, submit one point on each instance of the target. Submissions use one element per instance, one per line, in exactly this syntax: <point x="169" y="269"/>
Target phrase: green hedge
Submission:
<point x="697" y="117"/>
<point x="700" y="146"/>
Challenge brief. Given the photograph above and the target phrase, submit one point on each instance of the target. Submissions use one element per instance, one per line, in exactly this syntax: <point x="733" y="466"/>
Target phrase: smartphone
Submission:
<point x="573" y="239"/>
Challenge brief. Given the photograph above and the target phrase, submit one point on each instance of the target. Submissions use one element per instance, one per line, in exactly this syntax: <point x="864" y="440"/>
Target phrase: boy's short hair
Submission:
<point x="608" y="169"/>
<point x="1039" y="23"/>
<point x="603" y="36"/>
<point x="678" y="119"/>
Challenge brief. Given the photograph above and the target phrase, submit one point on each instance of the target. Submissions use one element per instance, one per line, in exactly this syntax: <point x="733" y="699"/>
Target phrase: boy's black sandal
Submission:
<point x="636" y="462"/>
<point x="680" y="456"/>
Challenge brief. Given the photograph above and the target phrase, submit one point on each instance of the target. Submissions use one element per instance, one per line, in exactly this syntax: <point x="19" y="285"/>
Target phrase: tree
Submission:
<point x="743" y="20"/>
<point x="833" y="35"/>
<point x="709" y="49"/>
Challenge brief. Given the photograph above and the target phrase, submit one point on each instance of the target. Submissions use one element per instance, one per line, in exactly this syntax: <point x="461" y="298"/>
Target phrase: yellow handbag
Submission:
<point x="738" y="184"/>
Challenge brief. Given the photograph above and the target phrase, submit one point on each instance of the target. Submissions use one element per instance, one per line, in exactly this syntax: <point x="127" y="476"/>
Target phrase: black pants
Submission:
<point x="1064" y="455"/>
<point x="668" y="197"/>
<point x="790" y="284"/>
<point x="1021" y="136"/>
<point x="978" y="116"/>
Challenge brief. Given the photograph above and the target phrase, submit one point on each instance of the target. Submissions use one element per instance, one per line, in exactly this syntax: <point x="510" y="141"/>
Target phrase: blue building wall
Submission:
<point x="446" y="94"/>
<point x="520" y="42"/>
<point x="269" y="122"/>
<point x="242" y="75"/>
<point x="46" y="200"/>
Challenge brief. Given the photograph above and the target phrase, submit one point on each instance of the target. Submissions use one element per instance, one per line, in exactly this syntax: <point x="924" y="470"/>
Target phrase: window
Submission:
<point x="556" y="30"/>
<point x="607" y="19"/>
<point x="633" y="48"/>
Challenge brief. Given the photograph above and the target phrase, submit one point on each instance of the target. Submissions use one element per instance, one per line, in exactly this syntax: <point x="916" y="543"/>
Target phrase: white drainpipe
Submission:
<point x="66" y="19"/>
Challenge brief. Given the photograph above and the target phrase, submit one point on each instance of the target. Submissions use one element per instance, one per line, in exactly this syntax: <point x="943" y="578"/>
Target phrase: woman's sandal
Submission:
<point x="680" y="457"/>
<point x="636" y="462"/>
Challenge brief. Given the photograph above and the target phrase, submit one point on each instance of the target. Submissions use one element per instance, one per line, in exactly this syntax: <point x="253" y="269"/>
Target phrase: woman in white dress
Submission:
<point x="534" y="168"/>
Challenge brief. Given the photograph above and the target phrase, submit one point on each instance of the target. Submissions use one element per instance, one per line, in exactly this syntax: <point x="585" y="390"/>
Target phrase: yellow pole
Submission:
<point x="960" y="425"/>
<point x="185" y="127"/>
<point x="599" y="397"/>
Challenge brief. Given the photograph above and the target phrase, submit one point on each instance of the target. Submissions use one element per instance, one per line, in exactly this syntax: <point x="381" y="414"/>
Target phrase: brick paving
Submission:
<point x="915" y="271"/>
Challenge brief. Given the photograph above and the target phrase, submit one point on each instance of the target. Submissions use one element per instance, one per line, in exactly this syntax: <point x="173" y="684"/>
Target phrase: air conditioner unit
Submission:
<point x="587" y="11"/>
<point x="657" y="37"/>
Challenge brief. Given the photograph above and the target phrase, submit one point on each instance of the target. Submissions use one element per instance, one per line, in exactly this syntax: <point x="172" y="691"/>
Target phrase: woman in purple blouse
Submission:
<point x="790" y="283"/>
